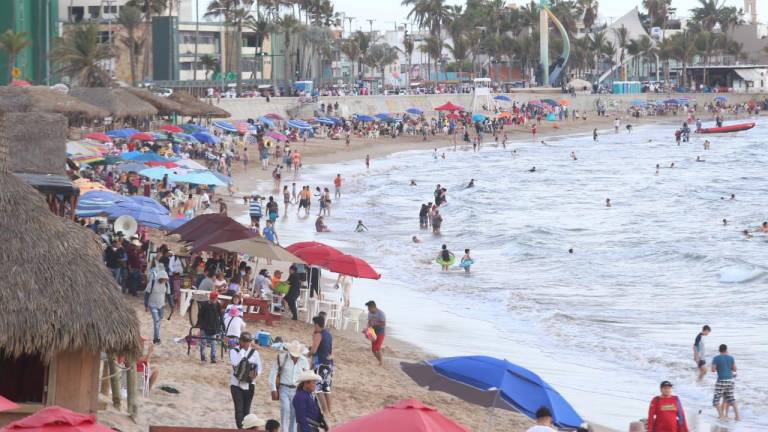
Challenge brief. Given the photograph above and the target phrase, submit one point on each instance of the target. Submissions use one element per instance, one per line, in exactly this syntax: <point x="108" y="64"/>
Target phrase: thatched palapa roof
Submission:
<point x="46" y="100"/>
<point x="196" y="107"/>
<point x="36" y="141"/>
<point x="120" y="103"/>
<point x="57" y="295"/>
<point x="164" y="105"/>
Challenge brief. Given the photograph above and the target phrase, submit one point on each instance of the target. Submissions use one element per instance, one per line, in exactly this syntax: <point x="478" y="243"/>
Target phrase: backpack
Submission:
<point x="243" y="369"/>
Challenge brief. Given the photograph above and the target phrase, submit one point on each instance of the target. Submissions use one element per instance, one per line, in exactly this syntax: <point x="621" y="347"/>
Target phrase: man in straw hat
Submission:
<point x="252" y="421"/>
<point x="242" y="391"/>
<point x="283" y="377"/>
<point x="308" y="415"/>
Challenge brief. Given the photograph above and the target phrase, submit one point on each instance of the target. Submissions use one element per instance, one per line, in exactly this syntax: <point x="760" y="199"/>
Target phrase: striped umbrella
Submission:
<point x="93" y="203"/>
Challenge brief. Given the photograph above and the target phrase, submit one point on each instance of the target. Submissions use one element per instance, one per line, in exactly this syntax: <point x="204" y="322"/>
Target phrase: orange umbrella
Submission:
<point x="564" y="102"/>
<point x="86" y="185"/>
<point x="505" y="115"/>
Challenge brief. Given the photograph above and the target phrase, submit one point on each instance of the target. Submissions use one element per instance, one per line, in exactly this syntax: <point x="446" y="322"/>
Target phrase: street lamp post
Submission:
<point x="197" y="36"/>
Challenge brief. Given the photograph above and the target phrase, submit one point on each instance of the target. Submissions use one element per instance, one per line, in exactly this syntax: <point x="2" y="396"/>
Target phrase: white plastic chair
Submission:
<point x="302" y="303"/>
<point x="276" y="306"/>
<point x="332" y="311"/>
<point x="352" y="316"/>
<point x="145" y="376"/>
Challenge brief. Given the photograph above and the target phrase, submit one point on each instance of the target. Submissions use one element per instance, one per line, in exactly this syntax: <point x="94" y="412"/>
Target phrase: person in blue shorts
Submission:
<point x="725" y="366"/>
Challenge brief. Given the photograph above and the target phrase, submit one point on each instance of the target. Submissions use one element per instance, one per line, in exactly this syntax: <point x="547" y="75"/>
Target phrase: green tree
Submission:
<point x="13" y="43"/>
<point x="379" y="56"/>
<point x="683" y="49"/>
<point x="149" y="8"/>
<point x="235" y="14"/>
<point x="622" y="42"/>
<point x="351" y="49"/>
<point x="432" y="46"/>
<point x="79" y="54"/>
<point x="290" y="26"/>
<point x="261" y="28"/>
<point x="210" y="63"/>
<point x="408" y="47"/>
<point x="587" y="9"/>
<point x="130" y="18"/>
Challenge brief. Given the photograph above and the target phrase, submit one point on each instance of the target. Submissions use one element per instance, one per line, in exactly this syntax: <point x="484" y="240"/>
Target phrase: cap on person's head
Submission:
<point x="371" y="303"/>
<point x="543" y="412"/>
<point x="665" y="384"/>
<point x="213" y="295"/>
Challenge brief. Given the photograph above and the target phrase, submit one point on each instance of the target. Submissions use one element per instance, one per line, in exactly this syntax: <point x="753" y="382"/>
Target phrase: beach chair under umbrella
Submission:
<point x="494" y="383"/>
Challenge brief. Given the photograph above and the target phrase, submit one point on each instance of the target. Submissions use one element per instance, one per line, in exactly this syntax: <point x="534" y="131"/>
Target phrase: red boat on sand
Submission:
<point x="729" y="128"/>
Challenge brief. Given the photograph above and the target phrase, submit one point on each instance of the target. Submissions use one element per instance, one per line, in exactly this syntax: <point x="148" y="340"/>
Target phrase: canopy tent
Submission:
<point x="494" y="383"/>
<point x="408" y="415"/>
<point x="258" y="247"/>
<point x="448" y="106"/>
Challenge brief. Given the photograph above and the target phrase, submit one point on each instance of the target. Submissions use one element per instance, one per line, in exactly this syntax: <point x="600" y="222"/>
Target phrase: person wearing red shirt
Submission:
<point x="666" y="412"/>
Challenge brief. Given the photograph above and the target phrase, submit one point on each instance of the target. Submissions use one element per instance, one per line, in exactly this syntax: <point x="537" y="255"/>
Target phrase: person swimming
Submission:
<point x="360" y="226"/>
<point x="764" y="227"/>
<point x="471" y="183"/>
<point x="699" y="159"/>
<point x="532" y="169"/>
<point x="747" y="235"/>
<point x="608" y="202"/>
<point x="672" y="165"/>
<point x="416" y="239"/>
<point x="725" y="221"/>
<point x="413" y="182"/>
<point x="445" y="258"/>
<point x="466" y="261"/>
<point x="570" y="251"/>
<point x="573" y="156"/>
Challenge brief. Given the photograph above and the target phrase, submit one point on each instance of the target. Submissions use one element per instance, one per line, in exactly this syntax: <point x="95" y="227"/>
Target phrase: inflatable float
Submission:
<point x="725" y="129"/>
<point x="443" y="262"/>
<point x="466" y="263"/>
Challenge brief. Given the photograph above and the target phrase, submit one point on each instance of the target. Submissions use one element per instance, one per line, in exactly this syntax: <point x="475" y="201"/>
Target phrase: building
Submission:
<point x="40" y="20"/>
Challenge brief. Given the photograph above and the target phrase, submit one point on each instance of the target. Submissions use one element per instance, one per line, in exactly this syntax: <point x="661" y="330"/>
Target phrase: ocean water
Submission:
<point x="605" y="324"/>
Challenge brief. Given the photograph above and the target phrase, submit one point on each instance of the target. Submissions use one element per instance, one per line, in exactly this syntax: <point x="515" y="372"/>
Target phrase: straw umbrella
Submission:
<point x="120" y="103"/>
<point x="43" y="99"/>
<point x="165" y="106"/>
<point x="200" y="108"/>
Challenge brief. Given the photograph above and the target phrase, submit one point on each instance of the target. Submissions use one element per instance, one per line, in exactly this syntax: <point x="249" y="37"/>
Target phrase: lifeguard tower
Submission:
<point x="482" y="100"/>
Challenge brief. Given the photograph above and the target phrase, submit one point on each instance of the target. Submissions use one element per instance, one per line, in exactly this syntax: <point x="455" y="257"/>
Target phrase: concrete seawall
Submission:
<point x="244" y="108"/>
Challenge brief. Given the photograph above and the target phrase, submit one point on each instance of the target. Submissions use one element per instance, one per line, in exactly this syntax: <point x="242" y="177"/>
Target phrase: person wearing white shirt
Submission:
<point x="242" y="391"/>
<point x="234" y="325"/>
<point x="283" y="378"/>
<point x="543" y="421"/>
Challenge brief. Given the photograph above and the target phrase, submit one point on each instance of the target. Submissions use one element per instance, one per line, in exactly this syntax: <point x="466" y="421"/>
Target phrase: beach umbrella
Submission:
<point x="242" y="127"/>
<point x="337" y="120"/>
<point x="299" y="124"/>
<point x="453" y="116"/>
<point x="150" y="157"/>
<point x="221" y="177"/>
<point x="130" y="167"/>
<point x="156" y="173"/>
<point x="108" y="160"/>
<point x="167" y="164"/>
<point x="493" y="383"/>
<point x="258" y="247"/>
<point x="277" y="135"/>
<point x="721" y="98"/>
<point x="364" y="118"/>
<point x="122" y="133"/>
<point x="274" y="116"/>
<point x="144" y="215"/>
<point x="130" y="155"/>
<point x="550" y="102"/>
<point x="225" y="125"/>
<point x="325" y="121"/>
<point x="408" y="415"/>
<point x="382" y="116"/>
<point x="504" y="115"/>
<point x="86" y="159"/>
<point x="174" y="223"/>
<point x="414" y="111"/>
<point x="150" y="203"/>
<point x="6" y="405"/>
<point x="56" y="419"/>
<point x="86" y="185"/>
<point x="94" y="202"/>
<point x="76" y="148"/>
<point x="199" y="225"/>
<point x="292" y="248"/>
<point x="207" y="138"/>
<point x="318" y="255"/>
<point x="186" y="137"/>
<point x="267" y="121"/>
<point x="448" y="106"/>
<point x="350" y="266"/>
<point x="564" y="102"/>
<point x="504" y="98"/>
<point x="20" y="83"/>
<point x="228" y="233"/>
<point x="190" y="164"/>
<point x="479" y="117"/>
<point x="638" y="103"/>
<point x="199" y="178"/>
<point x="142" y="136"/>
<point x="98" y="136"/>
<point x="191" y="128"/>
<point x="171" y="128"/>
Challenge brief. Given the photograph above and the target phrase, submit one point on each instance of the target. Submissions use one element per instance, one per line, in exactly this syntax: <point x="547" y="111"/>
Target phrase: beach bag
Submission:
<point x="282" y="288"/>
<point x="370" y="334"/>
<point x="244" y="368"/>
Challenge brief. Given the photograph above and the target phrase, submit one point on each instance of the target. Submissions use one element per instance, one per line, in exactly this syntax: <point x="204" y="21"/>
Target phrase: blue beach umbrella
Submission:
<point x="299" y="124"/>
<point x="150" y="203"/>
<point x="382" y="116"/>
<point x="221" y="177"/>
<point x="266" y="121"/>
<point x="225" y="125"/>
<point x="150" y="157"/>
<point x="325" y="121"/>
<point x="337" y="120"/>
<point x="638" y="103"/>
<point x="186" y="137"/>
<point x="364" y="118"/>
<point x="721" y="98"/>
<point x="494" y="383"/>
<point x="131" y="155"/>
<point x="192" y="128"/>
<point x="504" y="98"/>
<point x="414" y="111"/>
<point x="199" y="178"/>
<point x="156" y="173"/>
<point x="130" y="167"/>
<point x="174" y="223"/>
<point x="207" y="138"/>
<point x="122" y="133"/>
<point x="144" y="215"/>
<point x="479" y="117"/>
<point x="94" y="202"/>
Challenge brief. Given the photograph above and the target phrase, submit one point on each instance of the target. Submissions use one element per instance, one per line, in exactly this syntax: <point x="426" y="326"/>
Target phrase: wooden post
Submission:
<point x="131" y="382"/>
<point x="104" y="388"/>
<point x="114" y="380"/>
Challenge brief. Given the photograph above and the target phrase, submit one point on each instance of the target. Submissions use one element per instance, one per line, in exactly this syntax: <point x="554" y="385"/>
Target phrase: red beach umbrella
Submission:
<point x="448" y="106"/>
<point x="56" y="419"/>
<point x="317" y="255"/>
<point x="98" y="136"/>
<point x="408" y="415"/>
<point x="351" y="266"/>
<point x="277" y="135"/>
<point x="171" y="128"/>
<point x="6" y="405"/>
<point x="20" y="83"/>
<point x="306" y="244"/>
<point x="167" y="164"/>
<point x="453" y="116"/>
<point x="141" y="136"/>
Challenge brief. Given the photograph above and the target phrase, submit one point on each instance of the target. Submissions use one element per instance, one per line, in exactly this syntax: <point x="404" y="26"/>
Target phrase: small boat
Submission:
<point x="729" y="128"/>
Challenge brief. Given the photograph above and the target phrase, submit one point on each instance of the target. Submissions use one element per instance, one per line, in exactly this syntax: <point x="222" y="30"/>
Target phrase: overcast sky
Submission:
<point x="386" y="12"/>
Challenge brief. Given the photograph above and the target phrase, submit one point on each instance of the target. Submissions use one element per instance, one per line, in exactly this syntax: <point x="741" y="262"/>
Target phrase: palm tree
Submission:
<point x="430" y="14"/>
<point x="148" y="8"/>
<point x="290" y="26"/>
<point x="210" y="63"/>
<point x="622" y="42"/>
<point x="79" y="54"/>
<point x="707" y="13"/>
<point x="648" y="51"/>
<point x="683" y="49"/>
<point x="379" y="56"/>
<point x="235" y="13"/>
<point x="130" y="18"/>
<point x="13" y="43"/>
<point x="261" y="28"/>
<point x="351" y="49"/>
<point x="587" y="9"/>
<point x="666" y="52"/>
<point x="460" y="51"/>
<point x="432" y="46"/>
<point x="709" y="44"/>
<point x="658" y="10"/>
<point x="364" y="41"/>
<point x="408" y="47"/>
<point x="597" y="46"/>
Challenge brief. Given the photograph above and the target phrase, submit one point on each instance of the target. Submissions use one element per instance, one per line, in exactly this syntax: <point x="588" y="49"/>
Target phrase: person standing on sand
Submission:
<point x="242" y="391"/>
<point x="725" y="366"/>
<point x="377" y="320"/>
<point x="285" y="371"/>
<point x="294" y="290"/>
<point x="209" y="321"/>
<point x="322" y="362"/>
<point x="543" y="421"/>
<point x="699" y="353"/>
<point x="156" y="293"/>
<point x="665" y="414"/>
<point x="309" y="418"/>
<point x="337" y="186"/>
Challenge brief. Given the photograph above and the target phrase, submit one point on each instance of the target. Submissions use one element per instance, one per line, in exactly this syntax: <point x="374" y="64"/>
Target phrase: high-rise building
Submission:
<point x="40" y="20"/>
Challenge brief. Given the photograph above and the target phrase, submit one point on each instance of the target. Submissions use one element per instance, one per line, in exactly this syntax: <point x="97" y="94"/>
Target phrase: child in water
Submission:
<point x="466" y="261"/>
<point x="444" y="258"/>
<point x="360" y="227"/>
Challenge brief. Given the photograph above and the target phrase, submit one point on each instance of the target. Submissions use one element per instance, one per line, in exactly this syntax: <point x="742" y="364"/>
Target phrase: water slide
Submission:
<point x="556" y="69"/>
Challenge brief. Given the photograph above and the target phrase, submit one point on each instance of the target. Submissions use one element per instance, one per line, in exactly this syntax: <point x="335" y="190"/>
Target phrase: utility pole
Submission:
<point x="197" y="36"/>
<point x="350" y="19"/>
<point x="370" y="22"/>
